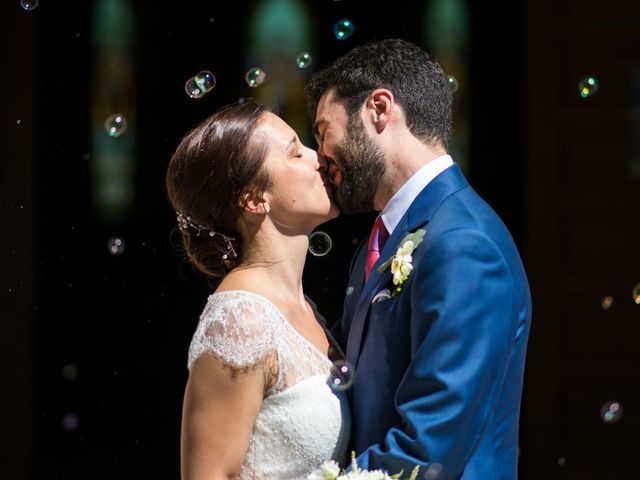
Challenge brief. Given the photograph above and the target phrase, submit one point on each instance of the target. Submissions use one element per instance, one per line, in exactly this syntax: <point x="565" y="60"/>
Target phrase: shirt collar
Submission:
<point x="397" y="206"/>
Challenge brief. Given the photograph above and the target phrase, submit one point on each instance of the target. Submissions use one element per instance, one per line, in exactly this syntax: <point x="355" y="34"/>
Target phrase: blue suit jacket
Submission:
<point x="439" y="367"/>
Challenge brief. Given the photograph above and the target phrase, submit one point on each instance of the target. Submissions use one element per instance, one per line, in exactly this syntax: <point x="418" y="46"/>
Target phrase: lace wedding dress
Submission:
<point x="302" y="422"/>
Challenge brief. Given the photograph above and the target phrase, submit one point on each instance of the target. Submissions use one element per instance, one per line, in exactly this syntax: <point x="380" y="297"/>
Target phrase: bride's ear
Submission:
<point x="252" y="203"/>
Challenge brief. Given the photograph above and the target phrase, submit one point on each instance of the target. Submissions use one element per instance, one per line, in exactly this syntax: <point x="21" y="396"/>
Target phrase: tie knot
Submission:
<point x="379" y="236"/>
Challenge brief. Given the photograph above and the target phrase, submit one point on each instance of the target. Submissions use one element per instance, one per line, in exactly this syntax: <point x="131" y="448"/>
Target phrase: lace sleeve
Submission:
<point x="237" y="328"/>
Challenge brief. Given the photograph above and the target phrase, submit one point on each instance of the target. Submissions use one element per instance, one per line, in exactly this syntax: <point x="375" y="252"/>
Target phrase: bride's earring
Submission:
<point x="266" y="208"/>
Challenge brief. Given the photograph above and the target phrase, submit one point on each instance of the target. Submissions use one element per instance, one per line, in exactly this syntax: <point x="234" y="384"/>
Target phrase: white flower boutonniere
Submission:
<point x="402" y="262"/>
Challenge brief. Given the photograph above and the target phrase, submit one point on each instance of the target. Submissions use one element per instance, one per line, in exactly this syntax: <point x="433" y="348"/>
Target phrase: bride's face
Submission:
<point x="300" y="194"/>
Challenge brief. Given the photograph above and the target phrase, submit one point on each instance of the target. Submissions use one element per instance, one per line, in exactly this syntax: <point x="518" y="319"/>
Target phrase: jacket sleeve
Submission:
<point x="462" y="326"/>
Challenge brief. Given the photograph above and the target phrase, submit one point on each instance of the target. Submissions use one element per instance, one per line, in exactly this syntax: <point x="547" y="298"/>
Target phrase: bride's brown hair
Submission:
<point x="213" y="166"/>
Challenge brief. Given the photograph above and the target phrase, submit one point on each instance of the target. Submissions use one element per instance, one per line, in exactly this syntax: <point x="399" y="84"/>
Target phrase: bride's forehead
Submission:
<point x="275" y="128"/>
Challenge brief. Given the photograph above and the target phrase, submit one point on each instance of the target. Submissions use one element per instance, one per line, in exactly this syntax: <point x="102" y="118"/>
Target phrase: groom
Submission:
<point x="437" y="338"/>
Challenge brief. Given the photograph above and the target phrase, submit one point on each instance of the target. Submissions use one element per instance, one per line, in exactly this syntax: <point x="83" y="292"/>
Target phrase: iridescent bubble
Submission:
<point x="349" y="291"/>
<point x="611" y="412"/>
<point x="453" y="83"/>
<point x="70" y="371"/>
<point x="607" y="302"/>
<point x="635" y="294"/>
<point x="588" y="86"/>
<point x="254" y="77"/>
<point x="201" y="84"/>
<point x="28" y="4"/>
<point x="206" y="80"/>
<point x="319" y="244"/>
<point x="304" y="60"/>
<point x="342" y="376"/>
<point x="433" y="471"/>
<point x="343" y="29"/>
<point x="116" y="125"/>
<point x="70" y="422"/>
<point x="115" y="246"/>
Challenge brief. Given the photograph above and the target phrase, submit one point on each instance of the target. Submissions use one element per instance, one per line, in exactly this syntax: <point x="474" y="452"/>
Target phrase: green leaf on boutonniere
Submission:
<point x="415" y="237"/>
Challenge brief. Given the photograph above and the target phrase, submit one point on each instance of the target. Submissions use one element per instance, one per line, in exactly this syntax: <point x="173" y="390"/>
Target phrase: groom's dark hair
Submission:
<point x="416" y="80"/>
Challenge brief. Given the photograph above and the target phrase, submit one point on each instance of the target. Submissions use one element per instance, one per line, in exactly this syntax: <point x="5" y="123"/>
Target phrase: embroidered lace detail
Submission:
<point x="302" y="421"/>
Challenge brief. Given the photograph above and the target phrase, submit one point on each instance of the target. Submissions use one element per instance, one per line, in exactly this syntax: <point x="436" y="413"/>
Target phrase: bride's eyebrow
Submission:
<point x="293" y="140"/>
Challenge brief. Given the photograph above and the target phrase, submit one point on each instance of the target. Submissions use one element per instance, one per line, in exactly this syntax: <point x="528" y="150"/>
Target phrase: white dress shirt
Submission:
<point x="403" y="198"/>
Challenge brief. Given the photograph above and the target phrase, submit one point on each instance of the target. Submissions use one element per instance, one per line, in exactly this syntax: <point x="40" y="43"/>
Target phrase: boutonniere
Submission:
<point x="402" y="262"/>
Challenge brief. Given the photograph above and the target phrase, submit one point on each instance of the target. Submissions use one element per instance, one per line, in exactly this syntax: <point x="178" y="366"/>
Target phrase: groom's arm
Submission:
<point x="463" y="327"/>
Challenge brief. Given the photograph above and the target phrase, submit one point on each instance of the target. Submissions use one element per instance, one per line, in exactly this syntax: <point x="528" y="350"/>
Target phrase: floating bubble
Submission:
<point x="342" y="376"/>
<point x="607" y="302"/>
<point x="206" y="80"/>
<point x="635" y="294"/>
<point x="115" y="246"/>
<point x="116" y="125"/>
<point x="433" y="471"/>
<point x="70" y="422"/>
<point x="319" y="244"/>
<point x="588" y="86"/>
<point x="453" y="83"/>
<point x="304" y="60"/>
<point x="70" y="371"/>
<point x="28" y="4"/>
<point x="349" y="291"/>
<point x="201" y="84"/>
<point x="254" y="77"/>
<point x="562" y="461"/>
<point x="343" y="29"/>
<point x="611" y="412"/>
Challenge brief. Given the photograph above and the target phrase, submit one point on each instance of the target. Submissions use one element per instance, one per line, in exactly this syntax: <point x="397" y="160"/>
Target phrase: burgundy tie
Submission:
<point x="377" y="239"/>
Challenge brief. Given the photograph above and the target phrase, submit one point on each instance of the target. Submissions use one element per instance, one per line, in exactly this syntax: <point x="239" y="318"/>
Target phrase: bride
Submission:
<point x="257" y="403"/>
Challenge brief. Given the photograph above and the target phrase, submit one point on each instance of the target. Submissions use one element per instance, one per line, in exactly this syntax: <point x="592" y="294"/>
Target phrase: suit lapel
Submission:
<point x="419" y="213"/>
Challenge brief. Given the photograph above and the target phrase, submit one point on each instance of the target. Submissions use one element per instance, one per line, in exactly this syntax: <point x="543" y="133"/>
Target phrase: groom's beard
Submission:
<point x="362" y="168"/>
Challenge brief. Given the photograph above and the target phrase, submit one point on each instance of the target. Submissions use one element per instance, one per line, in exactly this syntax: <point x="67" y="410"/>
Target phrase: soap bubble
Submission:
<point x="588" y="86"/>
<point x="201" y="84"/>
<point x="70" y="422"/>
<point x="349" y="291"/>
<point x="304" y="60"/>
<point x="116" y="125"/>
<point x="635" y="294"/>
<point x="319" y="244"/>
<point x="70" y="371"/>
<point x="254" y="77"/>
<point x="342" y="376"/>
<point x="607" y="302"/>
<point x="343" y="29"/>
<point x="433" y="471"/>
<point x="562" y="461"/>
<point x="453" y="83"/>
<point x="115" y="246"/>
<point x="611" y="412"/>
<point x="28" y="4"/>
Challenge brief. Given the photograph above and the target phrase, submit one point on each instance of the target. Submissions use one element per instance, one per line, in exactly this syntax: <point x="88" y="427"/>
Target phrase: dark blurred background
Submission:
<point x="98" y="306"/>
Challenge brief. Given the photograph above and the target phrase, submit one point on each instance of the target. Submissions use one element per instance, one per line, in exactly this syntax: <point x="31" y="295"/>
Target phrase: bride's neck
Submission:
<point x="276" y="260"/>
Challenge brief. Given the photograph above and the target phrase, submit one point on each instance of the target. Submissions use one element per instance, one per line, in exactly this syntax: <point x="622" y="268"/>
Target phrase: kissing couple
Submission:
<point x="437" y="314"/>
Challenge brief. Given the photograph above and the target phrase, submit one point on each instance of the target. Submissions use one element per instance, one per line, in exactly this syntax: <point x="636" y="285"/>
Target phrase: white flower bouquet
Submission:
<point x="330" y="470"/>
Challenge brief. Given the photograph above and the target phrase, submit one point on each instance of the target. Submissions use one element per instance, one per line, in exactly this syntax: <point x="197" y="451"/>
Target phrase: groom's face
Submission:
<point x="356" y="164"/>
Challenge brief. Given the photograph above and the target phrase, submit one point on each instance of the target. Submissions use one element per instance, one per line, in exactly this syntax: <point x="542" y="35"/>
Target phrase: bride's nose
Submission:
<point x="322" y="162"/>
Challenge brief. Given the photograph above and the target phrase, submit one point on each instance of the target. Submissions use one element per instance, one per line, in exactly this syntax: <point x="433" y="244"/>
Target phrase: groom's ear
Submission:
<point x="379" y="108"/>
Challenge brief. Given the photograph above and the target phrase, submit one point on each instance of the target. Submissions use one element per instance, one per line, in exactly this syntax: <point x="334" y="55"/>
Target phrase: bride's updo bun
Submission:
<point x="212" y="167"/>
